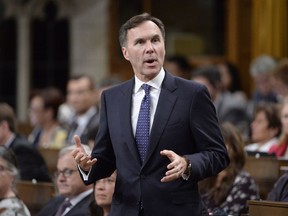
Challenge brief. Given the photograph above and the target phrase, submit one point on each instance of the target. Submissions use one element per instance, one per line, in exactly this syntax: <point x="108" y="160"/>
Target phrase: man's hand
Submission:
<point x="176" y="168"/>
<point x="81" y="157"/>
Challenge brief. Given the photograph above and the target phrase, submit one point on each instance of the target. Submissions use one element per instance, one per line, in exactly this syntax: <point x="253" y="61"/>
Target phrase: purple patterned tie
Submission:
<point x="63" y="207"/>
<point x="143" y="124"/>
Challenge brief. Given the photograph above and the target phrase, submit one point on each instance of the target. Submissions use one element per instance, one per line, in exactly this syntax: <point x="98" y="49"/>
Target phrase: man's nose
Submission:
<point x="149" y="47"/>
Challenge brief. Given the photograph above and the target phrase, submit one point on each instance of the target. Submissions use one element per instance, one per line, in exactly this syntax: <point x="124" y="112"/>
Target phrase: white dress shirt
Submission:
<point x="262" y="148"/>
<point x="77" y="199"/>
<point x="138" y="95"/>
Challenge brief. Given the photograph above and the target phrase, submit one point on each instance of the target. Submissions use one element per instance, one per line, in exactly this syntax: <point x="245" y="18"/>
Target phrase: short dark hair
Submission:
<point x="7" y="114"/>
<point x="134" y="22"/>
<point x="211" y="73"/>
<point x="271" y="111"/>
<point x="90" y="79"/>
<point x="52" y="98"/>
<point x="181" y="61"/>
<point x="8" y="155"/>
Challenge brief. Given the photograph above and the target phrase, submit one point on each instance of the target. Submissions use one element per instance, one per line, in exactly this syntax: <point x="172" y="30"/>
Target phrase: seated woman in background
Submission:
<point x="265" y="128"/>
<point x="229" y="191"/>
<point x="103" y="194"/>
<point x="43" y="111"/>
<point x="10" y="204"/>
<point x="280" y="148"/>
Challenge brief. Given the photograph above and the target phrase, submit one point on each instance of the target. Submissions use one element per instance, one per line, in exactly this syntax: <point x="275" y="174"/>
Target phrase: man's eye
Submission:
<point x="139" y="42"/>
<point x="155" y="40"/>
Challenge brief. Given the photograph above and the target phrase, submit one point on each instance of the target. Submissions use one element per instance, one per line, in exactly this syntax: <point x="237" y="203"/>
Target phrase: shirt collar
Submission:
<point x="82" y="119"/>
<point x="81" y="196"/>
<point x="10" y="140"/>
<point x="156" y="82"/>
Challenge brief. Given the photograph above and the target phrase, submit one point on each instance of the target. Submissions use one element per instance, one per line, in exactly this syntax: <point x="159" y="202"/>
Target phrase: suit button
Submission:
<point x="142" y="176"/>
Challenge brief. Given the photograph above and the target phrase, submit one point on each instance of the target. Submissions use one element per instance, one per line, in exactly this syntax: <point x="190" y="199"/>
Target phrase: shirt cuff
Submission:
<point x="84" y="174"/>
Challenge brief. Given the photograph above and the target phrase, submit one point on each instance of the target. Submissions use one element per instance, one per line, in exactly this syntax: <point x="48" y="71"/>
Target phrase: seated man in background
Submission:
<point x="279" y="193"/>
<point x="30" y="162"/>
<point x="179" y="66"/>
<point x="74" y="196"/>
<point x="230" y="107"/>
<point x="81" y="96"/>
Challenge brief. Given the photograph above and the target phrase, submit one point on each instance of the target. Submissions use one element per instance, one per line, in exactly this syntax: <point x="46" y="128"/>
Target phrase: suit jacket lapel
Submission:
<point x="164" y="108"/>
<point x="125" y="102"/>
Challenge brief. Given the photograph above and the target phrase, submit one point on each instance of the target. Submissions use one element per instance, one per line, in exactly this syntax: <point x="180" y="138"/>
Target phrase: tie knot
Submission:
<point x="146" y="88"/>
<point x="66" y="203"/>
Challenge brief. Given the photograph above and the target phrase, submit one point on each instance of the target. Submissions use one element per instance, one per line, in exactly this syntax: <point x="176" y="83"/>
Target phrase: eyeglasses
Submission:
<point x="66" y="173"/>
<point x="3" y="168"/>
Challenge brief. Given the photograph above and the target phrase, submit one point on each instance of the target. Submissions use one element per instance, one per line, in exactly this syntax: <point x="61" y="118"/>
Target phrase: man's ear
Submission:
<point x="125" y="53"/>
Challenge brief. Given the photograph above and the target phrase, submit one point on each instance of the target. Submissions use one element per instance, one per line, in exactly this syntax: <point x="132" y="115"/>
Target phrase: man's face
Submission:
<point x="212" y="90"/>
<point x="69" y="182"/>
<point x="145" y="50"/>
<point x="263" y="83"/>
<point x="80" y="95"/>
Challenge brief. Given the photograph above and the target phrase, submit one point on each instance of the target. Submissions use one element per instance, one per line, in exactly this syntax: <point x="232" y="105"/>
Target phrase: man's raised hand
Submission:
<point x="81" y="157"/>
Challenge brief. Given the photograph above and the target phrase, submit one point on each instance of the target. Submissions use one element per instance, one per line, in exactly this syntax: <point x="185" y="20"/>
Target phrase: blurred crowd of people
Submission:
<point x="259" y="117"/>
<point x="258" y="123"/>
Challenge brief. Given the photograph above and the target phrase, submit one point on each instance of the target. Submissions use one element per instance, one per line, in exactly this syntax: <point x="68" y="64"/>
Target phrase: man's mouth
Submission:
<point x="150" y="61"/>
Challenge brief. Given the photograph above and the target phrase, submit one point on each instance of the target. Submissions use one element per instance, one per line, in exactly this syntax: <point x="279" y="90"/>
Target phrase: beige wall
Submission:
<point x="89" y="46"/>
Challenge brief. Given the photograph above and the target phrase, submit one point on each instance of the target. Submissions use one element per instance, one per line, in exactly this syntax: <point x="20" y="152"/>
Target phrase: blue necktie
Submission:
<point x="143" y="123"/>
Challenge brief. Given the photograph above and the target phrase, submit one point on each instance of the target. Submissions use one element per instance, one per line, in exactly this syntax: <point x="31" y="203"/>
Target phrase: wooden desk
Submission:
<point x="51" y="157"/>
<point x="267" y="208"/>
<point x="265" y="171"/>
<point x="35" y="195"/>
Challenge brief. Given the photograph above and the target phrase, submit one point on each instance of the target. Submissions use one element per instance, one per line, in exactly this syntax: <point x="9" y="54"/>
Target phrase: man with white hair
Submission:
<point x="261" y="69"/>
<point x="74" y="196"/>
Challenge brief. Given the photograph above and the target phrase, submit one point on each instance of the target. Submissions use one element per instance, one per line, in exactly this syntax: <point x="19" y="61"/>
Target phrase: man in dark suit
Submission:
<point x="158" y="177"/>
<point x="72" y="190"/>
<point x="81" y="96"/>
<point x="31" y="164"/>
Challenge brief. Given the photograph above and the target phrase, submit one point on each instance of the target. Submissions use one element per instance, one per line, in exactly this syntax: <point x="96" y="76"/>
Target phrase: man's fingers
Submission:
<point x="167" y="153"/>
<point x="175" y="168"/>
<point x="92" y="162"/>
<point x="77" y="141"/>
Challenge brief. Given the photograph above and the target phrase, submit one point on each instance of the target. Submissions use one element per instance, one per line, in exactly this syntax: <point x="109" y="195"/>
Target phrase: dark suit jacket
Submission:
<point x="279" y="192"/>
<point x="89" y="131"/>
<point x="80" y="209"/>
<point x="30" y="163"/>
<point x="91" y="128"/>
<point x="185" y="122"/>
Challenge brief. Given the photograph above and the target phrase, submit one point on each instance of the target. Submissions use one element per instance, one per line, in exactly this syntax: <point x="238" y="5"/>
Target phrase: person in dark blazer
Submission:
<point x="31" y="164"/>
<point x="81" y="96"/>
<point x="71" y="188"/>
<point x="184" y="140"/>
<point x="279" y="193"/>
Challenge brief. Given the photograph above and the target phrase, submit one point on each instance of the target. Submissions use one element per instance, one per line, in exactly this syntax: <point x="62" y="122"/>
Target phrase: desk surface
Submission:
<point x="267" y="208"/>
